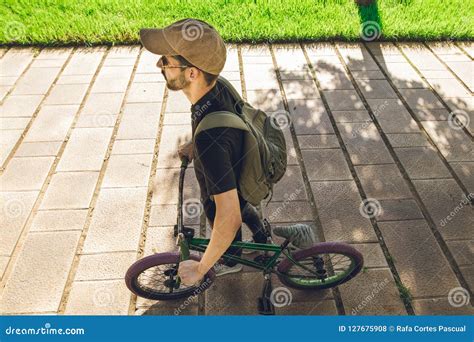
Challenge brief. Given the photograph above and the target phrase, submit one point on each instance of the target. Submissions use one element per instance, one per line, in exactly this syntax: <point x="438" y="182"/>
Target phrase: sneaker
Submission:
<point x="222" y="269"/>
<point x="301" y="235"/>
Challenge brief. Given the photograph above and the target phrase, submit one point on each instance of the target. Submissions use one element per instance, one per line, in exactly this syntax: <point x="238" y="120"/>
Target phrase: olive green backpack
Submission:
<point x="264" y="154"/>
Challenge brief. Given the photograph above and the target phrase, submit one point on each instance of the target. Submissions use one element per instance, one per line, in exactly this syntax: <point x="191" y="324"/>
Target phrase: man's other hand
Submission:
<point x="186" y="150"/>
<point x="189" y="273"/>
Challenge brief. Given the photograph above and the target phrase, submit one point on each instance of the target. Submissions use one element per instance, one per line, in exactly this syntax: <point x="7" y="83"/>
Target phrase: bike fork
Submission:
<point x="265" y="305"/>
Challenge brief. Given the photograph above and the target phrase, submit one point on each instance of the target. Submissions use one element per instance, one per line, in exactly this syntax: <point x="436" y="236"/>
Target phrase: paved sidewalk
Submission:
<point x="380" y="156"/>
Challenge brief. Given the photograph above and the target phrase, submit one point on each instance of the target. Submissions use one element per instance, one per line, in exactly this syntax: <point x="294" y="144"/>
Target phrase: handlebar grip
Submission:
<point x="184" y="161"/>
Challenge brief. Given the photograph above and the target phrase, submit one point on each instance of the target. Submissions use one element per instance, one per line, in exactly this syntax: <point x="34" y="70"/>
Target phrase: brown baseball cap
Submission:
<point x="195" y="40"/>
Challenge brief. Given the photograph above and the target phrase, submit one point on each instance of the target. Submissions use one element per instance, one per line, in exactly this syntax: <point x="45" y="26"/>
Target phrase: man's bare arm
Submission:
<point x="226" y="224"/>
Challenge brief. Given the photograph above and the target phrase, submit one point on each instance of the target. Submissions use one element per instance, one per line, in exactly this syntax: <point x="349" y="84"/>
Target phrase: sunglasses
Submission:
<point x="163" y="63"/>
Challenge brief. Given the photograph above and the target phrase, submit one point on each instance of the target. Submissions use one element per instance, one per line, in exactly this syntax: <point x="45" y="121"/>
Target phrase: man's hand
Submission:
<point x="189" y="272"/>
<point x="186" y="150"/>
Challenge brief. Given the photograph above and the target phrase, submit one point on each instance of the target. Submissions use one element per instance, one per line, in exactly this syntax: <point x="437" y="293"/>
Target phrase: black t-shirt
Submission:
<point x="218" y="151"/>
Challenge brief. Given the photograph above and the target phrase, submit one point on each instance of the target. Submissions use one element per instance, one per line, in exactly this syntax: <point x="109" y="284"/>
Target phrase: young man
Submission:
<point x="193" y="55"/>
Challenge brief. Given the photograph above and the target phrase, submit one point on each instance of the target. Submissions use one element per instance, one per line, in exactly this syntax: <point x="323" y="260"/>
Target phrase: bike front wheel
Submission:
<point x="322" y="266"/>
<point x="155" y="277"/>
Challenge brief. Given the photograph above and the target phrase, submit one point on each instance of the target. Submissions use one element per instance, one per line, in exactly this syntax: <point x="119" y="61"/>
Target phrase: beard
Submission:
<point x="178" y="83"/>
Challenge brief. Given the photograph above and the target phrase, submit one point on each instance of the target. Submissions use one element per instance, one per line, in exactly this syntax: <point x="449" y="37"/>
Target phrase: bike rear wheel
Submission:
<point x="321" y="266"/>
<point x="155" y="277"/>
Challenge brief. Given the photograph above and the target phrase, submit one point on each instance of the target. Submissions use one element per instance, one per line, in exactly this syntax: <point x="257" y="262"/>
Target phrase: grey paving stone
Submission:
<point x="20" y="106"/>
<point x="394" y="210"/>
<point x="165" y="186"/>
<point x="266" y="100"/>
<point x="15" y="209"/>
<point x="376" y="89"/>
<point x="364" y="144"/>
<point x="288" y="212"/>
<point x="408" y="140"/>
<point x="422" y="163"/>
<point x="314" y="141"/>
<point x="46" y="270"/>
<point x="38" y="149"/>
<point x="178" y="307"/>
<point x="13" y="123"/>
<point x="421" y="99"/>
<point x="139" y="121"/>
<point x="177" y="102"/>
<point x="372" y="253"/>
<point x="462" y="251"/>
<point x="138" y="146"/>
<point x="297" y="90"/>
<point x="36" y="81"/>
<point x="453" y="144"/>
<point x="372" y="292"/>
<point x="425" y="271"/>
<point x="448" y="207"/>
<point x="161" y="239"/>
<point x="85" y="149"/>
<point x="291" y="186"/>
<point x="67" y="94"/>
<point x="104" y="266"/>
<point x="330" y="79"/>
<point x="465" y="171"/>
<point x="110" y="297"/>
<point x="70" y="190"/>
<point x="338" y="208"/>
<point x="127" y="171"/>
<point x="439" y="306"/>
<point x="117" y="220"/>
<point x="52" y="220"/>
<point x="103" y="103"/>
<point x="52" y="123"/>
<point x="392" y="116"/>
<point x="26" y="173"/>
<point x="326" y="165"/>
<point x="343" y="100"/>
<point x="351" y="116"/>
<point x="146" y="92"/>
<point x="309" y="117"/>
<point x="235" y="294"/>
<point x="383" y="181"/>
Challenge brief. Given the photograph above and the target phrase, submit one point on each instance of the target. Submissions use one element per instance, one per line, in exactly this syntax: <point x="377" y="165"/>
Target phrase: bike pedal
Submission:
<point x="265" y="306"/>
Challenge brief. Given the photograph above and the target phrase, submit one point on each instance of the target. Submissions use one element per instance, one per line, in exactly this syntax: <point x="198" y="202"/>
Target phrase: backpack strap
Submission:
<point x="231" y="88"/>
<point x="220" y="119"/>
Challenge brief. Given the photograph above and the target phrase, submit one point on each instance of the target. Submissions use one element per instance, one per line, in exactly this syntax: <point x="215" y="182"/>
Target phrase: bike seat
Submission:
<point x="300" y="235"/>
